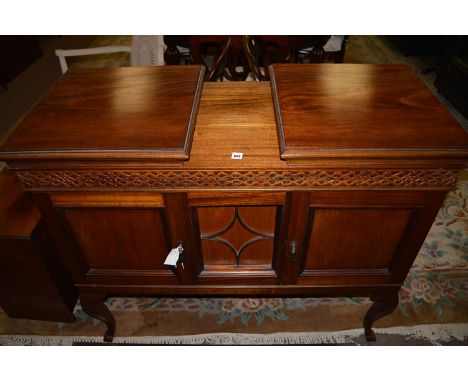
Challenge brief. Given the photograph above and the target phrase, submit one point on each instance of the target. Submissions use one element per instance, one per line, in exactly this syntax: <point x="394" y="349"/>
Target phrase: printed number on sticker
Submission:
<point x="237" y="155"/>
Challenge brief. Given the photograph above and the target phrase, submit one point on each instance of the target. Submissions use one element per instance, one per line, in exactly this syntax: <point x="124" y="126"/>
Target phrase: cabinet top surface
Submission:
<point x="330" y="116"/>
<point x="358" y="110"/>
<point x="139" y="112"/>
<point x="235" y="117"/>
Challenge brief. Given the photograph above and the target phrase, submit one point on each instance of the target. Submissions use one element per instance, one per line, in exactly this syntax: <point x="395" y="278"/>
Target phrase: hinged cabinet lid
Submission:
<point x="362" y="114"/>
<point x="123" y="114"/>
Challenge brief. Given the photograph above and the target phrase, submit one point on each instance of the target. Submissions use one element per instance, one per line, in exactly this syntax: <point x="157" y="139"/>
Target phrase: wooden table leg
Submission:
<point x="93" y="304"/>
<point x="384" y="304"/>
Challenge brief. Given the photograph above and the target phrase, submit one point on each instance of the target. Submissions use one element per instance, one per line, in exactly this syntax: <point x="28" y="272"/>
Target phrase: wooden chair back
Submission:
<point x="262" y="51"/>
<point x="317" y="52"/>
<point x="212" y="52"/>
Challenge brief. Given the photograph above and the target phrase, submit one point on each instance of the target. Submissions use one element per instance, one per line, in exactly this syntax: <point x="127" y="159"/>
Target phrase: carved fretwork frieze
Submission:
<point x="222" y="179"/>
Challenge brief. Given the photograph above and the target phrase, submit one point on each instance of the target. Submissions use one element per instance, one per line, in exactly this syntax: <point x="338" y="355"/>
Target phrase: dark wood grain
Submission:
<point x="58" y="231"/>
<point x="335" y="245"/>
<point x="123" y="113"/>
<point x="362" y="113"/>
<point x="365" y="236"/>
<point x="384" y="303"/>
<point x="18" y="215"/>
<point x="235" y="117"/>
<point x="246" y="290"/>
<point x="34" y="283"/>
<point x="180" y="228"/>
<point x="236" y="239"/>
<point x="120" y="238"/>
<point x="93" y="304"/>
<point x="413" y="238"/>
<point x="292" y="245"/>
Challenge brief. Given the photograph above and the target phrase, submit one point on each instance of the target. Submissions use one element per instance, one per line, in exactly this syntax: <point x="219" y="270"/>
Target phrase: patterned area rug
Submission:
<point x="453" y="334"/>
<point x="434" y="295"/>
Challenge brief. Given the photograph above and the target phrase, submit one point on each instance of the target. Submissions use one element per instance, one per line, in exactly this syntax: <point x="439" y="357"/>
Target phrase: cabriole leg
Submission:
<point x="384" y="304"/>
<point x="93" y="304"/>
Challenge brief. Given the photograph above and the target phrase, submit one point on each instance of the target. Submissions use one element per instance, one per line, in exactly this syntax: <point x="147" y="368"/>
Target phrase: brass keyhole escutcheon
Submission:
<point x="293" y="251"/>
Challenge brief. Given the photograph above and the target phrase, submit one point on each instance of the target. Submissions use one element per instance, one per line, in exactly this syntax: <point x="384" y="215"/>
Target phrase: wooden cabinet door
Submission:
<point x="125" y="239"/>
<point x="237" y="237"/>
<point x="354" y="237"/>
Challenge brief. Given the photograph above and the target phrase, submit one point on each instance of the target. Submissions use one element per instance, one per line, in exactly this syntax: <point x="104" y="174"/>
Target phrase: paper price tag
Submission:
<point x="237" y="155"/>
<point x="172" y="257"/>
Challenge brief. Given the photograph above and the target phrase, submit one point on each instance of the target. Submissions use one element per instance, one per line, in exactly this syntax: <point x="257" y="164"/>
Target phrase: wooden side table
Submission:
<point x="34" y="283"/>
